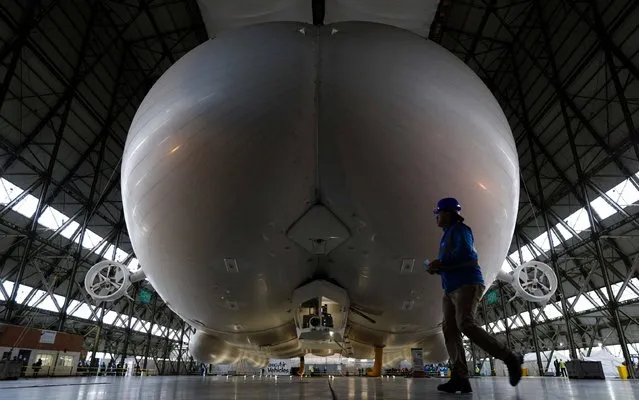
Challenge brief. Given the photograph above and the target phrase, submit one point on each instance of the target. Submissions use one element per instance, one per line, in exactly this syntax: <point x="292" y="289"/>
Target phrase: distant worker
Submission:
<point x="36" y="367"/>
<point x="562" y="368"/>
<point x="463" y="285"/>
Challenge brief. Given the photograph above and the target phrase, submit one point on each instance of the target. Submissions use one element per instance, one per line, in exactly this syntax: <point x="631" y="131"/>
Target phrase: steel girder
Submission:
<point x="586" y="96"/>
<point x="73" y="74"/>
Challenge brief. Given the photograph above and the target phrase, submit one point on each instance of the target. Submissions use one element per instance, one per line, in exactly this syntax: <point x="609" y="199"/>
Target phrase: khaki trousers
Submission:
<point x="460" y="307"/>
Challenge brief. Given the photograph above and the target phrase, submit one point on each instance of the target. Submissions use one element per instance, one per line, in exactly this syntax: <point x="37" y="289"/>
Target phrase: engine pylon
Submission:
<point x="376" y="371"/>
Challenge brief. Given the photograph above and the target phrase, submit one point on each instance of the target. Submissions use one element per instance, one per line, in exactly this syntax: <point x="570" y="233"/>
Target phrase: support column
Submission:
<point x="301" y="370"/>
<point x="129" y="329"/>
<point x="503" y="310"/>
<point x="179" y="357"/>
<point x="96" y="344"/>
<point x="552" y="352"/>
<point x="533" y="328"/>
<point x="167" y="349"/>
<point x="148" y="335"/>
<point x="377" y="365"/>
<point x="612" y="304"/>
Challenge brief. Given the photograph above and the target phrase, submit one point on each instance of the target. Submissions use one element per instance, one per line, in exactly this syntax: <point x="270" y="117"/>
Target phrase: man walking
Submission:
<point x="463" y="285"/>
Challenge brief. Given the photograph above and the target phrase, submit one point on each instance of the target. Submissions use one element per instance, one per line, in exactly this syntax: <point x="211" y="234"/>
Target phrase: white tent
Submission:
<point x="609" y="361"/>
<point x="530" y="363"/>
<point x="547" y="360"/>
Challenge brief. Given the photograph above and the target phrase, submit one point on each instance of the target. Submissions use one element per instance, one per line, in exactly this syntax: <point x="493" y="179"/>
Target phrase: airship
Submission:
<point x="278" y="184"/>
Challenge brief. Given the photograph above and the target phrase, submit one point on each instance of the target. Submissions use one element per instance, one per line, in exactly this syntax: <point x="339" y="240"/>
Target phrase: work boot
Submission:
<point x="514" y="363"/>
<point x="456" y="385"/>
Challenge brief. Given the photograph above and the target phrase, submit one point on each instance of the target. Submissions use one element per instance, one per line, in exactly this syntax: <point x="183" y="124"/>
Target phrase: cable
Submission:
<point x="532" y="206"/>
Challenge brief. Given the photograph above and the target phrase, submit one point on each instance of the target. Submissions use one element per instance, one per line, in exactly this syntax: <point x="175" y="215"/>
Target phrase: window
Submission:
<point x="65" y="361"/>
<point x="47" y="359"/>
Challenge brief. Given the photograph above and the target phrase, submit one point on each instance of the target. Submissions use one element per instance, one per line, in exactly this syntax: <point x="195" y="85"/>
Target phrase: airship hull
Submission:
<point x="263" y="139"/>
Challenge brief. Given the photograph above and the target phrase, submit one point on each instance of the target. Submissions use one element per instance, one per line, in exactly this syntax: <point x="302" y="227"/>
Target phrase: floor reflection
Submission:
<point x="137" y="388"/>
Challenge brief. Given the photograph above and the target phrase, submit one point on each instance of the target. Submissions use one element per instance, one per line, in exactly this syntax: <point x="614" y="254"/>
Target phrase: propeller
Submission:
<point x="367" y="310"/>
<point x="361" y="313"/>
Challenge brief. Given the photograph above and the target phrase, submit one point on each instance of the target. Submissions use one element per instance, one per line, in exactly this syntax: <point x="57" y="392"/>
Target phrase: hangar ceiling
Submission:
<point x="73" y="75"/>
<point x="565" y="72"/>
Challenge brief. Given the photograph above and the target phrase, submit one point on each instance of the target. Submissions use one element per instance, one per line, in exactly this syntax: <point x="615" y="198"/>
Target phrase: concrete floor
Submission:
<point x="183" y="388"/>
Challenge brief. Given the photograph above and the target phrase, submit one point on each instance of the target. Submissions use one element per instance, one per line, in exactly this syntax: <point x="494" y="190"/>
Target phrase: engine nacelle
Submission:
<point x="533" y="281"/>
<point x="109" y="280"/>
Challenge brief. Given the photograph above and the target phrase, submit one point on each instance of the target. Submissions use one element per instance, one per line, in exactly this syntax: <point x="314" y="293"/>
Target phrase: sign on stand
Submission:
<point x="279" y="367"/>
<point x="491" y="297"/>
<point x="417" y="355"/>
<point x="145" y="296"/>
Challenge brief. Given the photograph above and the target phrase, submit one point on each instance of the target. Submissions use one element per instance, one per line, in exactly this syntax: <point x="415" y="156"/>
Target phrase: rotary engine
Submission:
<point x="533" y="281"/>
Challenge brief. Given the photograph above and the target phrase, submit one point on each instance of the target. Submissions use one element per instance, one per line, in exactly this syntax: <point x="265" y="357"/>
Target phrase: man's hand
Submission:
<point x="434" y="267"/>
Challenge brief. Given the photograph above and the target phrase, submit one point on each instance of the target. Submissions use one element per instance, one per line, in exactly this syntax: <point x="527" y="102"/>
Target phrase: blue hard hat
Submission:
<point x="448" y="204"/>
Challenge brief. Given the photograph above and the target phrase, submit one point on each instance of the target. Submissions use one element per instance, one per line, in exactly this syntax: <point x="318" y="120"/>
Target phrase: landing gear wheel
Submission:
<point x="107" y="280"/>
<point x="534" y="281"/>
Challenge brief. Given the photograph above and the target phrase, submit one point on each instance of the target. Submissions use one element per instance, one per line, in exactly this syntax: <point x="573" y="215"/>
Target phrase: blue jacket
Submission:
<point x="457" y="247"/>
